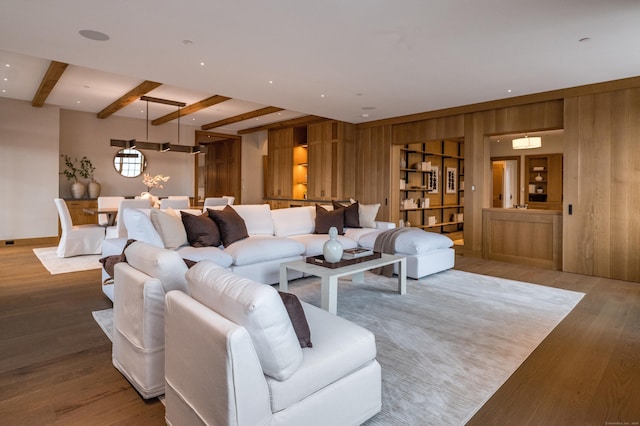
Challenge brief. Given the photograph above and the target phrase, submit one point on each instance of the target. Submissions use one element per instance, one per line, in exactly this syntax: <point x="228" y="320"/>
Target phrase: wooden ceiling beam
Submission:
<point x="307" y="119"/>
<point x="129" y="97"/>
<point x="50" y="79"/>
<point x="246" y="116"/>
<point x="190" y="109"/>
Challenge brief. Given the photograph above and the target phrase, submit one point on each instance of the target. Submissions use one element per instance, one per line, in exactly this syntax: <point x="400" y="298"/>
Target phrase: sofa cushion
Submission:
<point x="351" y="214"/>
<point x="214" y="254"/>
<point x="201" y="230"/>
<point x="326" y="219"/>
<point x="415" y="242"/>
<point x="293" y="221"/>
<point x="170" y="227"/>
<point x="140" y="228"/>
<point x="257" y="307"/>
<point x="261" y="248"/>
<point x="340" y="347"/>
<point x="257" y="218"/>
<point x="232" y="226"/>
<point x="298" y="318"/>
<point x="158" y="262"/>
<point x="367" y="214"/>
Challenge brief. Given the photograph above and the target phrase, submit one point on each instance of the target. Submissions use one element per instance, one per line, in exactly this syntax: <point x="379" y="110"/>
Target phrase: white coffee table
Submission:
<point x="329" y="277"/>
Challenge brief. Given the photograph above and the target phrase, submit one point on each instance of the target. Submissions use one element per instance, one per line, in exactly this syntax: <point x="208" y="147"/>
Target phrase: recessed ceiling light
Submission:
<point x="4" y="91"/>
<point x="270" y="81"/>
<point x="508" y="90"/>
<point x="6" y="79"/>
<point x="584" y="39"/>
<point x="77" y="102"/>
<point x="187" y="42"/>
<point x="322" y="96"/>
<point x="94" y="35"/>
<point x="202" y="64"/>
<point x="7" y="65"/>
<point x="365" y="115"/>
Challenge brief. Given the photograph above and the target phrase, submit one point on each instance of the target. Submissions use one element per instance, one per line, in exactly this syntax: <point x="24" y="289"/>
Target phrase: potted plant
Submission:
<point x="73" y="172"/>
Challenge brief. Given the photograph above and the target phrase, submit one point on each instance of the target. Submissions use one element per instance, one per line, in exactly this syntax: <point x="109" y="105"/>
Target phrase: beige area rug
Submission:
<point x="59" y="265"/>
<point x="448" y="344"/>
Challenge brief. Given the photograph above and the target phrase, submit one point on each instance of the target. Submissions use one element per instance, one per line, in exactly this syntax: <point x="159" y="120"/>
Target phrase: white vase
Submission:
<point x="539" y="178"/>
<point x="78" y="189"/>
<point x="332" y="249"/>
<point x="94" y="189"/>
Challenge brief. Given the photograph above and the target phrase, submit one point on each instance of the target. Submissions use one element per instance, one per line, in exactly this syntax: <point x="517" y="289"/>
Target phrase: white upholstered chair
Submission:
<point x="107" y="202"/>
<point x="174" y="203"/>
<point x="77" y="240"/>
<point x="230" y="199"/>
<point x="215" y="201"/>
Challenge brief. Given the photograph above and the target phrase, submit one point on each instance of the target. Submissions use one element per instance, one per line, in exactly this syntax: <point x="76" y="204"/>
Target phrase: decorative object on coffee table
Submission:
<point x="332" y="249"/>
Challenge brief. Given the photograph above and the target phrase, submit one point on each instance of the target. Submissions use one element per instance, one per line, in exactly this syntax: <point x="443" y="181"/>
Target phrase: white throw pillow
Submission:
<point x="367" y="214"/>
<point x="140" y="228"/>
<point x="294" y="221"/>
<point x="170" y="227"/>
<point x="257" y="218"/>
<point x="256" y="307"/>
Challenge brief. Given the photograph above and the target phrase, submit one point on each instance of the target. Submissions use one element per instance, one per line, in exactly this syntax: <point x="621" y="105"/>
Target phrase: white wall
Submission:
<point x="254" y="147"/>
<point x="29" y="139"/>
<point x="81" y="134"/>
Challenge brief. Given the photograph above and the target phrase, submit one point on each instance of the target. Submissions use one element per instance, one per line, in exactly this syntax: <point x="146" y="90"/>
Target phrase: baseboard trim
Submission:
<point x="42" y="241"/>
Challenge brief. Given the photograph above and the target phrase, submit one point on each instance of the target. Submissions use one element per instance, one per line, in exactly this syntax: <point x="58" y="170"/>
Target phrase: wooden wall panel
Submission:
<point x="373" y="176"/>
<point x="601" y="183"/>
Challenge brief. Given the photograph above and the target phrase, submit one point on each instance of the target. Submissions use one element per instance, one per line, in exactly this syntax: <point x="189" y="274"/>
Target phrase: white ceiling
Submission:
<point x="340" y="59"/>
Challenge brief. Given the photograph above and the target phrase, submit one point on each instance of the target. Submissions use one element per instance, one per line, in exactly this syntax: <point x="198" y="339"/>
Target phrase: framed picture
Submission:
<point x="452" y="178"/>
<point x="432" y="180"/>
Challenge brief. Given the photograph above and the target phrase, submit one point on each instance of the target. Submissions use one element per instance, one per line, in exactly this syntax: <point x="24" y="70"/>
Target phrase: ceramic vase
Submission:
<point x="78" y="189"/>
<point x="94" y="189"/>
<point x="538" y="178"/>
<point x="332" y="249"/>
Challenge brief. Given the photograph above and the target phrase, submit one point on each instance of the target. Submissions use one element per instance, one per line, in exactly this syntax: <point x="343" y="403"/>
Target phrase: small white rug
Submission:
<point x="59" y="265"/>
<point x="104" y="318"/>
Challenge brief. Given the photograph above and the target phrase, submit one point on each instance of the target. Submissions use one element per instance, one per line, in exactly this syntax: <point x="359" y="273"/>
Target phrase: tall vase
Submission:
<point x="94" y="189"/>
<point x="332" y="249"/>
<point x="78" y="189"/>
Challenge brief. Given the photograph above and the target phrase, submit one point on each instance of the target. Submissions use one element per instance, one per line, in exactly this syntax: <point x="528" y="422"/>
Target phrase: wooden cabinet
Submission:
<point x="76" y="211"/>
<point x="285" y="163"/>
<point x="432" y="185"/>
<point x="544" y="181"/>
<point x="331" y="160"/>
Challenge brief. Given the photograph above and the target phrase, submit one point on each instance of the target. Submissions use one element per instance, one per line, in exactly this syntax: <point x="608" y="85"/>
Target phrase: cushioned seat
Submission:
<point x="260" y="248"/>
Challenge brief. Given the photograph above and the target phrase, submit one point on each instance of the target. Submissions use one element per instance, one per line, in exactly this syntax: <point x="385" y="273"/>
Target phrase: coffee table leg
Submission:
<point x="329" y="294"/>
<point x="284" y="281"/>
<point x="402" y="276"/>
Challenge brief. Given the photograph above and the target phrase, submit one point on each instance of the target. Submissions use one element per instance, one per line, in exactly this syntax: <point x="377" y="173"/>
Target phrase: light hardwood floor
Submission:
<point x="55" y="363"/>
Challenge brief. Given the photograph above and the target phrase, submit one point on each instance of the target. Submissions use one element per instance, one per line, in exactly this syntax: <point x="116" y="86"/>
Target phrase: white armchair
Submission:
<point x="174" y="203"/>
<point x="246" y="367"/>
<point x="77" y="240"/>
<point x="140" y="285"/>
<point x="215" y="201"/>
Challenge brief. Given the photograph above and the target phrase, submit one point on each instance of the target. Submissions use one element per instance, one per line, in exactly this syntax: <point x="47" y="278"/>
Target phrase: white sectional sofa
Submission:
<point x="276" y="236"/>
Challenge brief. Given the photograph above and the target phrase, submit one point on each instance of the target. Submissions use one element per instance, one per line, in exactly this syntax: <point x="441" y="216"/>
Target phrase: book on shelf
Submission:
<point x="355" y="253"/>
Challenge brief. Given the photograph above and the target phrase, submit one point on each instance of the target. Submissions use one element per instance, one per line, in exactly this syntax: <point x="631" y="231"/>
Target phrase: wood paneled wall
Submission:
<point x="601" y="182"/>
<point x="373" y="171"/>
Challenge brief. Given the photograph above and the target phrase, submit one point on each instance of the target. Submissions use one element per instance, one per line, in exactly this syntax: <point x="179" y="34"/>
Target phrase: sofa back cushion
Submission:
<point x="257" y="218"/>
<point x="293" y="221"/>
<point x="140" y="228"/>
<point x="257" y="307"/>
<point x="165" y="265"/>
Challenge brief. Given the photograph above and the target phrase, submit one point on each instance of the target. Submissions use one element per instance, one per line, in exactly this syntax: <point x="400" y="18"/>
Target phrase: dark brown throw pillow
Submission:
<point x="231" y="225"/>
<point x="351" y="214"/>
<point x="201" y="230"/>
<point x="109" y="262"/>
<point x="325" y="219"/>
<point x="298" y="319"/>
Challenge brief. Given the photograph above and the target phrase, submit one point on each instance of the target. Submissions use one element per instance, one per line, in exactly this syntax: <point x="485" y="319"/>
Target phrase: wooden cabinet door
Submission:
<point x="280" y="163"/>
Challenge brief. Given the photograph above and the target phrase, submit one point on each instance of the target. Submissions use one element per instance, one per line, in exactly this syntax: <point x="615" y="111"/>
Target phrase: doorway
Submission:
<point x="218" y="172"/>
<point x="505" y="183"/>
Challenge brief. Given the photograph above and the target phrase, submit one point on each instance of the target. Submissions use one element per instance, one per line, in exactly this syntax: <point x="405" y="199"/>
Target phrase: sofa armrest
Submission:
<point x="385" y="225"/>
<point x="223" y="382"/>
